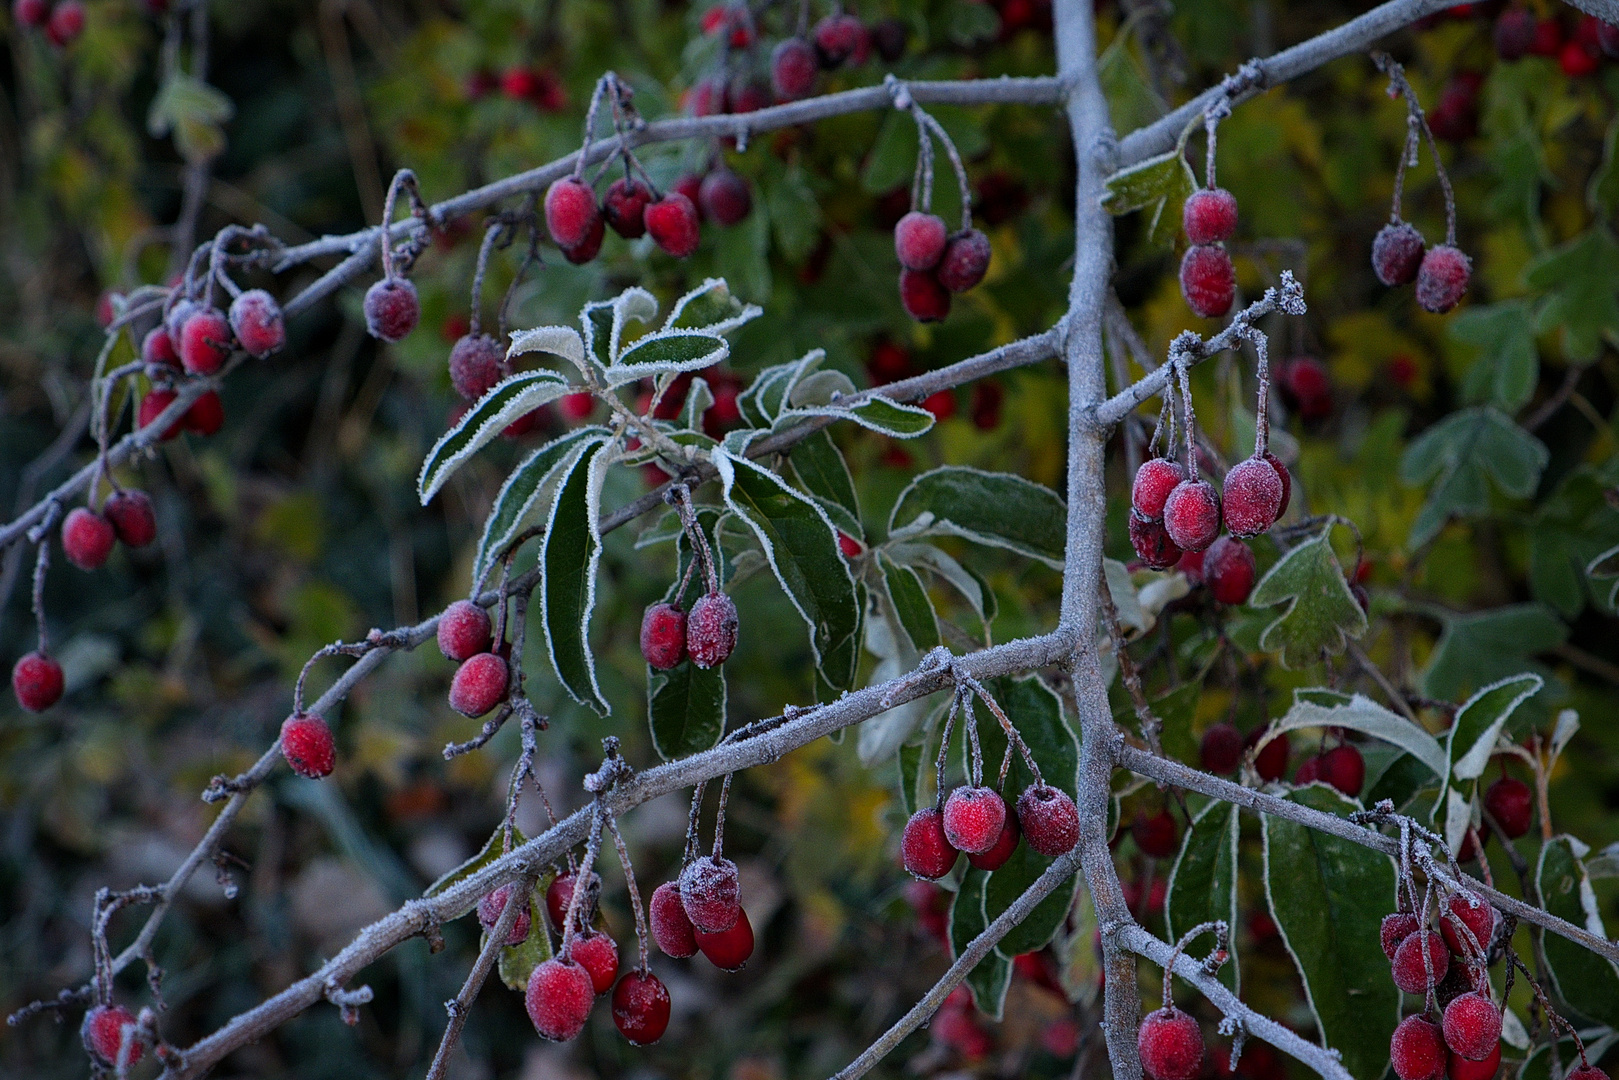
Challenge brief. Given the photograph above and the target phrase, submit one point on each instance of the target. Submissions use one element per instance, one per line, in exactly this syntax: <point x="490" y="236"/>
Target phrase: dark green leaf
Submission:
<point x="1476" y="649"/>
<point x="1318" y="708"/>
<point x="1604" y="567"/>
<point x="492" y="849"/>
<point x="685" y="708"/>
<point x="1569" y="530"/>
<point x="711" y="308"/>
<point x="910" y="603"/>
<point x="1461" y="450"/>
<point x="742" y="254"/>
<point x="1203" y="881"/>
<point x="910" y="774"/>
<point x="517" y="962"/>
<point x="1508" y="365"/>
<point x="571" y="550"/>
<point x="998" y="509"/>
<point x="794" y="214"/>
<point x="506" y="401"/>
<point x="1587" y="982"/>
<point x="1130" y="96"/>
<point x="666" y="352"/>
<point x="823" y="472"/>
<point x="879" y="414"/>
<point x="1480" y="720"/>
<point x="893" y="156"/>
<point x="1583" y="304"/>
<point x="521" y="491"/>
<point x="1321" y="612"/>
<point x="991" y="976"/>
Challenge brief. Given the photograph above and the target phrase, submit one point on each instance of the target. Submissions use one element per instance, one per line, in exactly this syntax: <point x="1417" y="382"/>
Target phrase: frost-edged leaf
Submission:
<point x="1589" y="983"/>
<point x="1579" y="277"/>
<point x="666" y="529"/>
<point x="685" y="708"/>
<point x="1477" y="648"/>
<point x="910" y="602"/>
<point x="517" y="962"/>
<point x="765" y="399"/>
<point x="801" y="545"/>
<point x="997" y="509"/>
<point x="568" y="558"/>
<point x="1479" y="722"/>
<point x="1159" y="186"/>
<point x="1203" y="882"/>
<point x="972" y="588"/>
<point x="1328" y="897"/>
<point x="1465" y="452"/>
<point x="823" y="472"/>
<point x="1125" y="598"/>
<point x="711" y="308"/>
<point x="698" y="399"/>
<point x="563" y="341"/>
<point x="820" y="388"/>
<point x="1358" y="713"/>
<point x="1508" y="364"/>
<point x="879" y="414"/>
<point x="1569" y="530"/>
<point x="522" y="490"/>
<point x="990" y="978"/>
<point x="664" y="353"/>
<point x="506" y="401"/>
<point x="1321" y="612"/>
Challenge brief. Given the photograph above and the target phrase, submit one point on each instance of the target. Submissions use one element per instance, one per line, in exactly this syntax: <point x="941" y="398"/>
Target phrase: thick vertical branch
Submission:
<point x="1094" y="152"/>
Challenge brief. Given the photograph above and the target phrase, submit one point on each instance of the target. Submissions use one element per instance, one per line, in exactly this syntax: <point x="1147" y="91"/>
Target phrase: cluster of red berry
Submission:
<point x="1400" y="255"/>
<point x="936" y="263"/>
<point x="634" y="208"/>
<point x="707" y="634"/>
<point x="539" y="87"/>
<point x="974" y="821"/>
<point x="1172" y="512"/>
<point x="1208" y="280"/>
<point x="465" y="635"/>
<point x="1421" y="963"/>
<point x="1518" y="33"/>
<point x="197" y="338"/>
<point x="62" y="22"/>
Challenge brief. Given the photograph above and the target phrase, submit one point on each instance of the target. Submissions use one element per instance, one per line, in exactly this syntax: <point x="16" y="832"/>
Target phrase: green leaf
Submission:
<point x="685" y="708"/>
<point x="879" y="414"/>
<point x="195" y="112"/>
<point x="794" y="214"/>
<point x="972" y="588"/>
<point x="1203" y="882"/>
<point x="823" y="472"/>
<point x="1583" y="304"/>
<point x="1321" y="611"/>
<point x="910" y="775"/>
<point x="1568" y="532"/>
<point x="997" y="509"/>
<point x="742" y="253"/>
<point x="1476" y="649"/>
<point x="1589" y="983"/>
<point x="698" y="399"/>
<point x="1159" y="186"/>
<point x="910" y="603"/>
<point x="1461" y="450"/>
<point x="521" y="491"/>
<point x="1131" y="99"/>
<point x="1311" y="710"/>
<point x="517" y="962"/>
<point x="666" y="352"/>
<point x="801" y="545"/>
<point x="605" y="321"/>
<point x="893" y="156"/>
<point x="1328" y="897"/>
<point x="1508" y="365"/>
<point x="1473" y="733"/>
<point x="991" y="976"/>
<point x="710" y="308"/>
<point x="507" y="400"/>
<point x="1602" y="193"/>
<point x="571" y="550"/>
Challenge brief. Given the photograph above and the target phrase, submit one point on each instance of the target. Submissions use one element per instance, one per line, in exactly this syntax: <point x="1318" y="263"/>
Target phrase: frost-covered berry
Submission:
<point x="205" y="342"/>
<point x="1192" y="515"/>
<point x="1220" y="750"/>
<point x="570" y="211"/>
<point x="1156" y="835"/>
<point x="152" y="405"/>
<point x="130" y="513"/>
<point x="103" y="1032"/>
<point x="1472" y="1026"/>
<point x="392" y="309"/>
<point x="1442" y="279"/>
<point x="30" y="12"/>
<point x="923" y="846"/>
<point x="671" y="927"/>
<point x="965" y="260"/>
<point x="641" y="1008"/>
<point x="1271" y="761"/>
<point x="725" y="197"/>
<point x="590" y="246"/>
<point x="973" y="818"/>
<point x="1304" y="382"/>
<point x="1409" y="972"/>
<point x="1170" y="1044"/>
<point x="306" y="743"/>
<point x="663" y="636"/>
<point x="1251" y="497"/>
<point x="1396" y="927"/>
<point x="464" y="631"/>
<point x="1154" y="480"/>
<point x="1510" y="802"/>
<point x="479" y="684"/>
<point x="87" y="538"/>
<point x="1228" y="570"/>
<point x="672" y="221"/>
<point x="1152" y="543"/>
<point x="709" y="892"/>
<point x="1001" y="850"/>
<point x="625" y="207"/>
<point x="793" y="64"/>
<point x="1472" y="912"/>
<point x="919" y="240"/>
<point x="158" y="348"/>
<point x="728" y="949"/>
<point x="1397" y="253"/>
<point x="923" y="298"/>
<point x="475" y="365"/>
<point x="1209" y="216"/>
<point x="256" y="320"/>
<point x="36" y="679"/>
<point x="1208" y="280"/>
<point x="1049" y="819"/>
<point x="1460" y="1068"/>
<point x="494" y="904"/>
<point x="711" y="630"/>
<point x="1586" y="1072"/>
<point x="65" y="24"/>
<point x="175" y="316"/>
<point x="838" y="38"/>
<point x="597" y="953"/>
<point x="559" y="998"/>
<point x="1416" y="1051"/>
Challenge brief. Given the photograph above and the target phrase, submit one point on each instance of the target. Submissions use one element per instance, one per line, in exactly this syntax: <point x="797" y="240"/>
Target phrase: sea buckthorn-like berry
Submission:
<point x="1208" y="280"/>
<point x="597" y="953"/>
<point x="923" y="846"/>
<point x="671" y="928"/>
<point x="1510" y="802"/>
<point x="130" y="513"/>
<point x="1397" y="251"/>
<point x="1209" y="216"/>
<point x="392" y="309"/>
<point x="1304" y="382"/>
<point x="1228" y="570"/>
<point x="205" y="342"/>
<point x="1443" y="279"/>
<point x="1271" y="762"/>
<point x="1152" y="542"/>
<point x="965" y="260"/>
<point x="36" y="679"/>
<point x="464" y="631"/>
<point x="1170" y="1044"/>
<point x="570" y="211"/>
<point x="87" y="538"/>
<point x="256" y="320"/>
<point x="1286" y="479"/>
<point x="103" y="1032"/>
<point x="625" y="207"/>
<point x="839" y="38"/>
<point x="1251" y="498"/>
<point x="1462" y="1069"/>
<point x="30" y="12"/>
<point x="1416" y="1051"/>
<point x="1192" y="515"/>
<point x="1472" y="1026"/>
<point x="493" y="905"/>
<point x="479" y="684"/>
<point x="475" y="365"/>
<point x="729" y="949"/>
<point x="663" y="636"/>
<point x="306" y="743"/>
<point x="1154" y="480"/>
<point x="672" y="221"/>
<point x="641" y="1007"/>
<point x="1049" y="819"/>
<point x="919" y="240"/>
<point x="709" y="891"/>
<point x="1409" y="971"/>
<point x="973" y="819"/>
<point x="1220" y="750"/>
<point x="559" y="998"/>
<point x="711" y="630"/>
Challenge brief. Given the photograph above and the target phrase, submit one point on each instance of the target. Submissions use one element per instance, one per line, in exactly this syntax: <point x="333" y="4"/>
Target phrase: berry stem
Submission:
<point x="924" y="120"/>
<point x="584" y="879"/>
<point x="1211" y="123"/>
<point x="692" y="823"/>
<point x="1262" y="406"/>
<point x="406" y="179"/>
<point x="972" y="752"/>
<point x="607" y="82"/>
<point x="1416" y="120"/>
<point x="1012" y="735"/>
<point x="695" y="535"/>
<point x="1217" y="956"/>
<point x="42" y="563"/>
<point x="635" y="893"/>
<point x="944" y="751"/>
<point x="1188" y="417"/>
<point x="719" y="815"/>
<point x="498" y="231"/>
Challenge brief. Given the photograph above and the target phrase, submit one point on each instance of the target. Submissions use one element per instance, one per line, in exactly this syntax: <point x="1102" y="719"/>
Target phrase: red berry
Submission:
<point x="792" y="69"/>
<point x="1152" y="543"/>
<point x="1049" y="819"/>
<point x="475" y="365"/>
<point x="1586" y="1072"/>
<point x="66" y="23"/>
<point x="306" y="743"/>
<point x="671" y="928"/>
<point x="625" y="207"/>
<point x="1510" y="802"/>
<point x="1192" y="515"/>
<point x="691" y="186"/>
<point x="986" y="405"/>
<point x="87" y="538"/>
<point x="570" y="211"/>
<point x="837" y="38"/>
<point x="641" y="1007"/>
<point x="889" y="35"/>
<point x="491" y="907"/>
<point x="103" y="1032"/>
<point x="1578" y="60"/>
<point x="391" y="309"/>
<point x="1442" y="279"/>
<point x="1170" y="1044"/>
<point x="1462" y="1069"/>
<point x="1209" y="216"/>
<point x="1548" y="38"/>
<point x="1309" y="772"/>
<point x="1416" y="1050"/>
<point x="711" y="630"/>
<point x="1608" y="38"/>
<point x="559" y="894"/>
<point x="672" y="221"/>
<point x="1286" y="479"/>
<point x="1221" y="748"/>
<point x="1344" y="769"/>
<point x="1409" y="971"/>
<point x="1271" y="761"/>
<point x="1208" y="280"/>
<point x="1303" y="381"/>
<point x="1004" y="845"/>
<point x="1474" y="913"/>
<point x="923" y="298"/>
<point x="709" y="894"/>
<point x="1228" y="568"/>
<point x="923" y="847"/>
<point x="941" y="404"/>
<point x="1251" y="497"/>
<point x="130" y="513"/>
<point x="1397" y="253"/>
<point x="663" y="636"/>
<point x="973" y="818"/>
<point x="578" y="406"/>
<point x="705" y="98"/>
<point x="206" y="415"/>
<point x="1396" y="927"/>
<point x="1514" y="33"/>
<point x="558" y="999"/>
<point x="1155" y="479"/>
<point x="1190" y="566"/>
<point x="30" y="12"/>
<point x="725" y="197"/>
<point x="597" y="953"/>
<point x="965" y="260"/>
<point x="919" y="240"/>
<point x="849" y="546"/>
<point x="158" y="348"/>
<point x="1156" y="835"/>
<point x="729" y="949"/>
<point x="1472" y="1026"/>
<point x="36" y="679"/>
<point x="205" y="342"/>
<point x="256" y="320"/>
<point x="479" y="684"/>
<point x="463" y="631"/>
<point x="590" y="247"/>
<point x="152" y="406"/>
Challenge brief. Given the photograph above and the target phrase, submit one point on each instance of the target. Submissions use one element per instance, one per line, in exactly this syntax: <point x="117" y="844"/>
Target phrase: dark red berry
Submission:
<point x="1472" y="1026"/>
<point x="725" y="197"/>
<point x="1343" y="768"/>
<point x="729" y="949"/>
<point x="973" y="819"/>
<point x="1309" y="772"/>
<point x="590" y="247"/>
<point x="1510" y="802"/>
<point x="1608" y="38"/>
<point x="625" y="207"/>
<point x="1154" y="480"/>
<point x="1190" y="566"/>
<point x="206" y="415"/>
<point x="1286" y="479"/>
<point x="1251" y="497"/>
<point x="559" y="998"/>
<point x="1228" y="569"/>
<point x="1192" y="515"/>
<point x="838" y="38"/>
<point x="671" y="928"/>
<point x="793" y="64"/>
<point x="1170" y="1044"/>
<point x="391" y="309"/>
<point x="889" y="37"/>
<point x="1271" y="761"/>
<point x="570" y="211"/>
<point x="691" y="186"/>
<point x="597" y="953"/>
<point x="1514" y="33"/>
<point x="672" y="221"/>
<point x="256" y="320"/>
<point x="1208" y="280"/>
<point x="152" y="406"/>
<point x="1408" y="968"/>
<point x="641" y="1007"/>
<point x="923" y="298"/>
<point x="87" y="538"/>
<point x="1578" y="59"/>
<point x="1004" y="845"/>
<point x="205" y="342"/>
<point x="1462" y="1069"/>
<point x="711" y="630"/>
<point x="491" y="907"/>
<point x="36" y="679"/>
<point x="663" y="636"/>
<point x="30" y="12"/>
<point x="1397" y="253"/>
<point x="1477" y="916"/>
<point x="1304" y="382"/>
<point x="1396" y="927"/>
<point x="919" y="240"/>
<point x="306" y="743"/>
<point x="65" y="24"/>
<point x="1152" y="543"/>
<point x="131" y="516"/>
<point x="1586" y="1072"/>
<point x="559" y="894"/>
<point x="1221" y="748"/>
<point x="1049" y="819"/>
<point x="1442" y="279"/>
<point x="103" y="1032"/>
<point x="709" y="892"/>
<point x="479" y="684"/>
<point x="923" y="847"/>
<point x="463" y="631"/>
<point x="475" y="365"/>
<point x="1209" y="216"/>
<point x="158" y="348"/>
<point x="1416" y="1050"/>
<point x="1156" y="835"/>
<point x="965" y="260"/>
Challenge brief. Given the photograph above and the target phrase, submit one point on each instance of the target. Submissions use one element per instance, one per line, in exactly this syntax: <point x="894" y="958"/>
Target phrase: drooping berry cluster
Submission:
<point x="62" y="22"/>
<point x="934" y="262"/>
<point x="1170" y="1041"/>
<point x="707" y="634"/>
<point x="1209" y="217"/>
